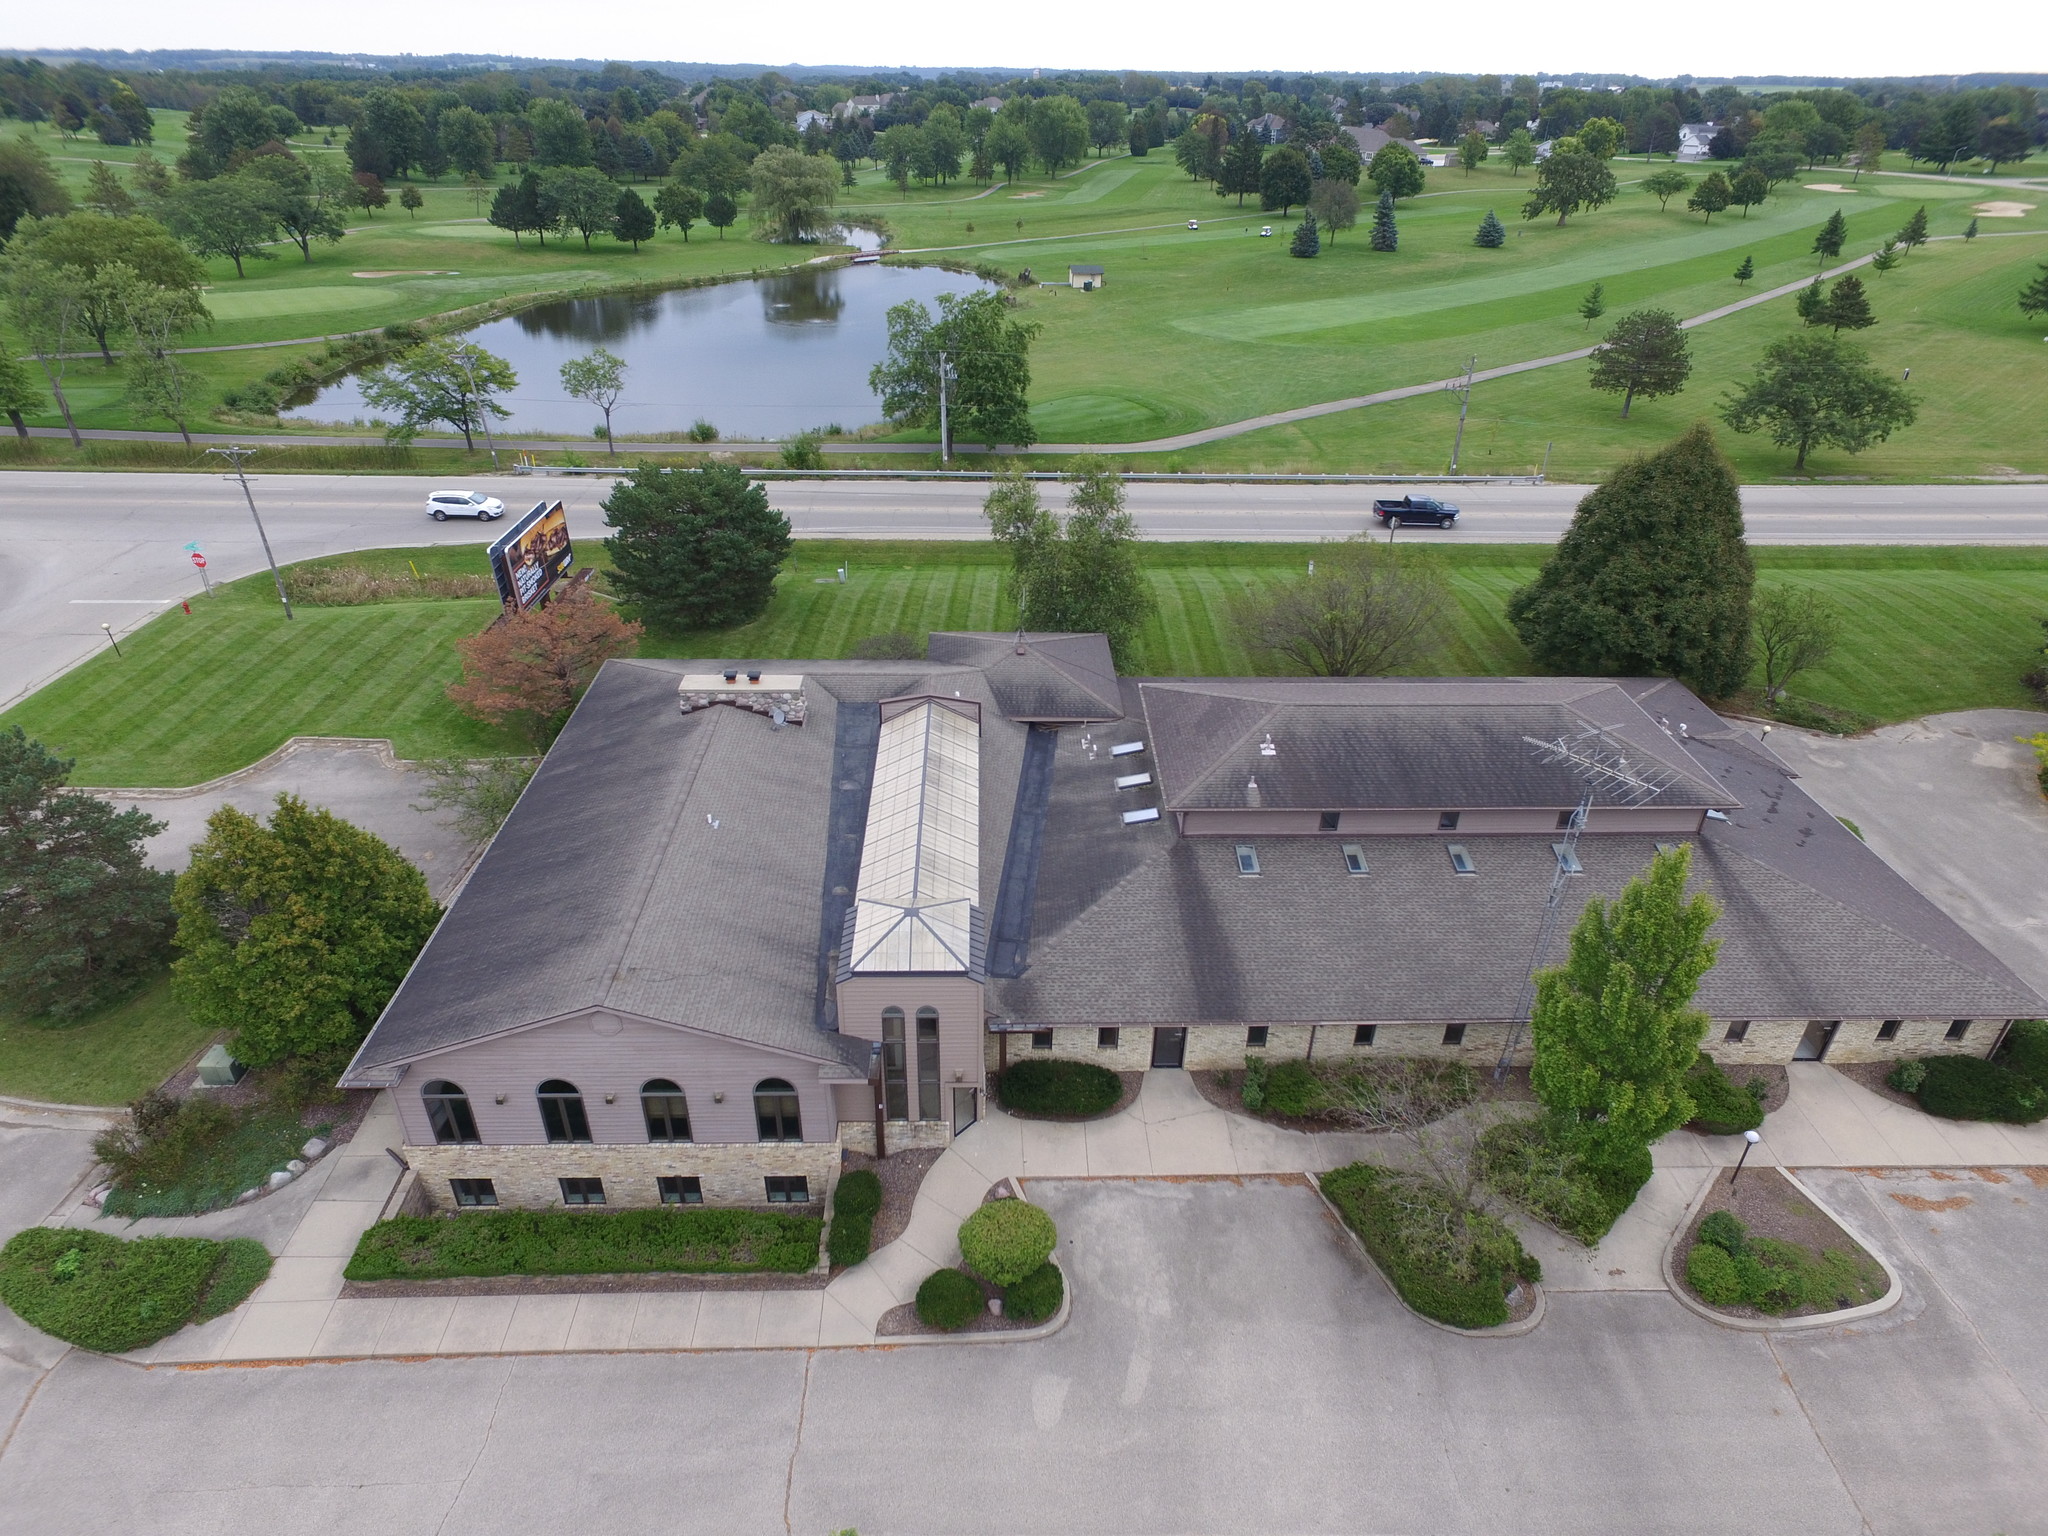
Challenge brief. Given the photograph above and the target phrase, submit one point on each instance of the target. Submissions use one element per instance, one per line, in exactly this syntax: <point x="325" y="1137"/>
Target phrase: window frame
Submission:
<point x="589" y="1192"/>
<point x="1257" y="1036"/>
<point x="686" y="1188"/>
<point x="473" y="1194"/>
<point x="449" y="1111"/>
<point x="1354" y="860"/>
<point x="1447" y="821"/>
<point x="895" y="1066"/>
<point x="1460" y="856"/>
<point x="790" y="1183"/>
<point x="930" y="1095"/>
<point x="1958" y="1031"/>
<point x="669" y="1093"/>
<point x="789" y="1109"/>
<point x="1365" y="1034"/>
<point x="1454" y="1034"/>
<point x="1108" y="1037"/>
<point x="1327" y="821"/>
<point x="1737" y="1032"/>
<point x="1247" y="861"/>
<point x="1041" y="1039"/>
<point x="562" y="1110"/>
<point x="1888" y="1029"/>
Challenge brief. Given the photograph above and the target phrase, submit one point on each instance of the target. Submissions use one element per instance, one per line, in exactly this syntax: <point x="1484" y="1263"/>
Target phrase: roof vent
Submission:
<point x="753" y="674"/>
<point x="1124" y="748"/>
<point x="732" y="674"/>
<point x="1266" y="747"/>
<point x="1136" y="818"/>
<point x="1251" y="793"/>
<point x="1133" y="780"/>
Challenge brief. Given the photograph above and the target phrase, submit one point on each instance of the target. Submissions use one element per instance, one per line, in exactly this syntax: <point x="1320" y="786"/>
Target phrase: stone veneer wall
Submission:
<point x="1774" y="1040"/>
<point x="732" y="1173"/>
<point x="902" y="1135"/>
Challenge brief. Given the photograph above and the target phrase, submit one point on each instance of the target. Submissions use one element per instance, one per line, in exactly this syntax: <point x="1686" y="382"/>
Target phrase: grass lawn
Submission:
<point x="1927" y="630"/>
<point x="1199" y="328"/>
<point x="110" y="1057"/>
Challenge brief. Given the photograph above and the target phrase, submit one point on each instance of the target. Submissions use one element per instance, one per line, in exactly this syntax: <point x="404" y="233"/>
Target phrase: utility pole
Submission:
<point x="467" y="357"/>
<point x="945" y="420"/>
<point x="237" y="456"/>
<point x="1464" y="393"/>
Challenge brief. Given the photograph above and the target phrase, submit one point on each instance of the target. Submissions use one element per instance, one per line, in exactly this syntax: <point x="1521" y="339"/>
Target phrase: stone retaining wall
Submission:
<point x="526" y="1177"/>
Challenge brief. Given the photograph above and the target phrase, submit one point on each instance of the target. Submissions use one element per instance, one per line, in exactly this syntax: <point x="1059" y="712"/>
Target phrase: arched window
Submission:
<point x="775" y="1107"/>
<point x="561" y="1111"/>
<point x="928" y="1065"/>
<point x="668" y="1115"/>
<point x="895" y="1090"/>
<point x="448" y="1112"/>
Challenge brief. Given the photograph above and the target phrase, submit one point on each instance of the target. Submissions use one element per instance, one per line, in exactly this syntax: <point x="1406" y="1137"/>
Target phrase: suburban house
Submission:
<point x="1270" y="126"/>
<point x="745" y="919"/>
<point x="808" y="119"/>
<point x="862" y="106"/>
<point x="1370" y="139"/>
<point x="1085" y="277"/>
<point x="1694" y="140"/>
<point x="987" y="104"/>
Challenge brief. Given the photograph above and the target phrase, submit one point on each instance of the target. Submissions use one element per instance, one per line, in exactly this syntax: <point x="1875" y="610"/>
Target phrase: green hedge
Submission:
<point x="949" y="1299"/>
<point x="2026" y="1048"/>
<point x="1719" y="1107"/>
<point x="1005" y="1240"/>
<point x="1520" y="1163"/>
<point x="1037" y="1296"/>
<point x="1432" y="1283"/>
<point x="854" y="1205"/>
<point x="483" y="1243"/>
<point x="1971" y="1088"/>
<point x="100" y="1292"/>
<point x="1060" y="1088"/>
<point x="1729" y="1268"/>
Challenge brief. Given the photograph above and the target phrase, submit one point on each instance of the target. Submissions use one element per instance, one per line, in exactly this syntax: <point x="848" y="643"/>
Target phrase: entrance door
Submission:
<point x="1813" y="1045"/>
<point x="963" y="1109"/>
<point x="1169" y="1047"/>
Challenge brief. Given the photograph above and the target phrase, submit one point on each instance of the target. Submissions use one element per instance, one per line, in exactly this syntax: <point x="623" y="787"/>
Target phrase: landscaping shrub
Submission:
<point x="1256" y="1070"/>
<point x="1522" y="1164"/>
<point x="1037" y="1296"/>
<point x="1060" y="1088"/>
<point x="949" y="1300"/>
<point x="2026" y="1050"/>
<point x="183" y="1157"/>
<point x="859" y="1193"/>
<point x="1724" y="1230"/>
<point x="341" y="586"/>
<point x="1971" y="1088"/>
<point x="1719" y="1107"/>
<point x="1906" y="1076"/>
<point x="690" y="1241"/>
<point x="1292" y="1088"/>
<point x="1006" y="1240"/>
<point x="1710" y="1270"/>
<point x="1726" y="1268"/>
<point x="854" y="1205"/>
<point x="1448" y="1261"/>
<point x="102" y="1293"/>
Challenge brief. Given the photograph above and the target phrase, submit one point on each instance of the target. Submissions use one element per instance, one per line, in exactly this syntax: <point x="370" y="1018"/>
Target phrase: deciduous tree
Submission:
<point x="1394" y="168"/>
<point x="1814" y="390"/>
<point x="1059" y="132"/>
<point x="1335" y="206"/>
<point x="1711" y="196"/>
<point x="793" y="194"/>
<point x="1645" y="354"/>
<point x="19" y="393"/>
<point x="1472" y="151"/>
<point x="231" y="216"/>
<point x="695" y="548"/>
<point x="577" y="197"/>
<point x="560" y="134"/>
<point x="1008" y="145"/>
<point x="1519" y="150"/>
<point x="1569" y="182"/>
<point x="443" y="380"/>
<point x="1284" y="179"/>
<point x="989" y="353"/>
<point x="720" y="212"/>
<point x="600" y="378"/>
<point x="469" y="141"/>
<point x="678" y="207"/>
<point x="1078" y="573"/>
<point x="1666" y="184"/>
<point x="1869" y="152"/>
<point x="529" y="669"/>
<point x="1796" y="629"/>
<point x="1362" y="610"/>
<point x="1749" y="188"/>
<point x="1600" y="137"/>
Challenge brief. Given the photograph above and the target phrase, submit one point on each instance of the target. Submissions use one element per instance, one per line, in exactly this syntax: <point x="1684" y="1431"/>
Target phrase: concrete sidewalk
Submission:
<point x="1170" y="1131"/>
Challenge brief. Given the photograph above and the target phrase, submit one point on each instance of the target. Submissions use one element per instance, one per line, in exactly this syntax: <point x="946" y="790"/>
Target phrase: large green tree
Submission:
<point x="442" y="379"/>
<point x="469" y="141"/>
<point x="115" y="257"/>
<point x="1813" y="390"/>
<point x="1078" y="573"/>
<point x="1652" y="577"/>
<point x="1284" y="180"/>
<point x="1395" y="168"/>
<point x="309" y="200"/>
<point x="560" y="134"/>
<point x="1241" y="167"/>
<point x="294" y="935"/>
<point x="19" y="393"/>
<point x="793" y="194"/>
<point x="230" y="216"/>
<point x="1059" y="132"/>
<point x="1666" y="184"/>
<point x="695" y="548"/>
<point x="1568" y="182"/>
<point x="988" y="355"/>
<point x="1614" y="1029"/>
<point x="82" y="918"/>
<point x="578" y="197"/>
<point x="1645" y="354"/>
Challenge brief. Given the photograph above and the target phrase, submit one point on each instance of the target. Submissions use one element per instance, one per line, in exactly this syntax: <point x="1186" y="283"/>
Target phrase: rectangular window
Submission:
<point x="1107" y="1039"/>
<point x="1329" y="821"/>
<point x="928" y="1107"/>
<point x="1363" y="1035"/>
<point x="895" y="1086"/>
<point x="680" y="1189"/>
<point x="1255" y="1037"/>
<point x="1454" y="1034"/>
<point x="1041" y="1039"/>
<point x="1247" y="859"/>
<point x="1447" y="821"/>
<point x="1461" y="861"/>
<point x="1354" y="859"/>
<point x="1738" y="1032"/>
<point x="1889" y="1029"/>
<point x="583" y="1191"/>
<point x="474" y="1191"/>
<point x="1957" y="1029"/>
<point x="789" y="1189"/>
<point x="1567" y="859"/>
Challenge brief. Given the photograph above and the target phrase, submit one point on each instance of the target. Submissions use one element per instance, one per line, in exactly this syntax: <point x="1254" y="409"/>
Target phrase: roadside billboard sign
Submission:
<point x="531" y="556"/>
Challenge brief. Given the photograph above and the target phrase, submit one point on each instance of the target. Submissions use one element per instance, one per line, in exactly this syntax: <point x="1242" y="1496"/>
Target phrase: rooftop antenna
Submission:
<point x="1602" y="765"/>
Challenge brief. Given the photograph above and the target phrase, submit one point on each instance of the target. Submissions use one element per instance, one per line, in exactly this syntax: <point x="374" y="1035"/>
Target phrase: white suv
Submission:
<point x="443" y="505"/>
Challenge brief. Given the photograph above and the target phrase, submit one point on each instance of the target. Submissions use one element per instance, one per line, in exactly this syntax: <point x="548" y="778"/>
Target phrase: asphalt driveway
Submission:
<point x="1230" y="1365"/>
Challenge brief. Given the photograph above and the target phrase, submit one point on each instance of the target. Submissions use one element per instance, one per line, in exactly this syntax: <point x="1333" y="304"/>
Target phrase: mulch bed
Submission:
<point x="1770" y="1206"/>
<point x="344" y="1114"/>
<point x="1871" y="1075"/>
<point x="580" y="1285"/>
<point x="1225" y="1090"/>
<point x="901" y="1174"/>
<point x="1131" y="1081"/>
<point x="902" y="1321"/>
<point x="1776" y="1080"/>
<point x="1521" y="1302"/>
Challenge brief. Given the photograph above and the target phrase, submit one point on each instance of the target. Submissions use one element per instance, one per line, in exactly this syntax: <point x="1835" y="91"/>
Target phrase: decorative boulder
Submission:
<point x="313" y="1148"/>
<point x="279" y="1179"/>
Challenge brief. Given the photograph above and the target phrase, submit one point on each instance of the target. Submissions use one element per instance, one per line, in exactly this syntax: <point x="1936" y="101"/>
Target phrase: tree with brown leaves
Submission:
<point x="529" y="669"/>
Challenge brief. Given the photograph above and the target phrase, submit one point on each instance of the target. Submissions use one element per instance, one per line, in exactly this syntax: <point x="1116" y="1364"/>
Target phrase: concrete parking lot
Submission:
<point x="1231" y="1365"/>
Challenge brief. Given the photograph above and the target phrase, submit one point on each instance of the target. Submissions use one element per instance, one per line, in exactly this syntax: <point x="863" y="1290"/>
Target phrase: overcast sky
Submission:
<point x="1661" y="38"/>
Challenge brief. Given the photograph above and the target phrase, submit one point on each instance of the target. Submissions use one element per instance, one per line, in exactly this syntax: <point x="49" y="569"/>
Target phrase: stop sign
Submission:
<point x="199" y="559"/>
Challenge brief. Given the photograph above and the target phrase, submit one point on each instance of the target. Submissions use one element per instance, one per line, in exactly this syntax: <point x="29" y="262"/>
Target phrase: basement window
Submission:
<point x="1354" y="859"/>
<point x="1255" y="1037"/>
<point x="1957" y="1029"/>
<point x="680" y="1189"/>
<point x="473" y="1192"/>
<point x="1447" y="821"/>
<point x="1329" y="821"/>
<point x="1363" y="1035"/>
<point x="1108" y="1038"/>
<point x="1041" y="1039"/>
<point x="789" y="1189"/>
<point x="1738" y="1031"/>
<point x="1247" y="859"/>
<point x="1889" y="1029"/>
<point x="1461" y="861"/>
<point x="582" y="1191"/>
<point x="1454" y="1034"/>
<point x="1567" y="859"/>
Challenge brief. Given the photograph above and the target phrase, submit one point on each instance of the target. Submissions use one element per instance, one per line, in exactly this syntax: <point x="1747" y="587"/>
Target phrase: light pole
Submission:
<point x="1464" y="393"/>
<point x="466" y="355"/>
<point x="237" y="456"/>
<point x="1749" y="1140"/>
<point x="110" y="637"/>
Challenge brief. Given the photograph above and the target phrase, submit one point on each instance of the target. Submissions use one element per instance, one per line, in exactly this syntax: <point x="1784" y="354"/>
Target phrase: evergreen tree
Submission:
<point x="1746" y="271"/>
<point x="82" y="918"/>
<point x="1915" y="232"/>
<point x="1887" y="256"/>
<point x="632" y="219"/>
<point x="1811" y="301"/>
<point x="1652" y="577"/>
<point x="1644" y="354"/>
<point x="1492" y="233"/>
<point x="1827" y="245"/>
<point x="517" y="207"/>
<point x="1614" y="1030"/>
<point x="1385" y="236"/>
<point x="295" y="935"/>
<point x="1971" y="232"/>
<point x="1593" y="305"/>
<point x="1847" y="307"/>
<point x="1307" y="241"/>
<point x="695" y="548"/>
<point x="1242" y="167"/>
<point x="2034" y="297"/>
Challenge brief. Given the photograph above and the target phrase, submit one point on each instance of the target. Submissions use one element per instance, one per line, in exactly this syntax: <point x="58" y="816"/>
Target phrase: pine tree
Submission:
<point x="1652" y="578"/>
<point x="1971" y="232"/>
<point x="1594" y="304"/>
<point x="1746" y="271"/>
<point x="1645" y="354"/>
<point x="1811" y="301"/>
<point x="1888" y="256"/>
<point x="1307" y="240"/>
<point x="632" y="219"/>
<point x="1492" y="233"/>
<point x="1385" y="237"/>
<point x="1848" y="306"/>
<point x="2034" y="297"/>
<point x="1827" y="245"/>
<point x="1915" y="232"/>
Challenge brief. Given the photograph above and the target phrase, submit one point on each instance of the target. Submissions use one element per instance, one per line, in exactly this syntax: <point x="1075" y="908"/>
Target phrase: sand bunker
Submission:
<point x="1027" y="194"/>
<point x="1829" y="186"/>
<point x="2004" y="210"/>
<point x="412" y="272"/>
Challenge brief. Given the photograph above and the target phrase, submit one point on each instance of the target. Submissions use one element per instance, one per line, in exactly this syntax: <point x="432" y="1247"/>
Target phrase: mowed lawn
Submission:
<point x="195" y="696"/>
<point x="109" y="1057"/>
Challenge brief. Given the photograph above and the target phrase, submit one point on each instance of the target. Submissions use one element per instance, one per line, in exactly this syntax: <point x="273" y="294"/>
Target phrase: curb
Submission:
<point x="1694" y="1305"/>
<point x="1514" y="1330"/>
<point x="79" y="1111"/>
<point x="1044" y="1330"/>
<point x="380" y="745"/>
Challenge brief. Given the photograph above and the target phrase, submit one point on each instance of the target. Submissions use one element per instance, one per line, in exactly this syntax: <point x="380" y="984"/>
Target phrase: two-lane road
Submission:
<point x="88" y="549"/>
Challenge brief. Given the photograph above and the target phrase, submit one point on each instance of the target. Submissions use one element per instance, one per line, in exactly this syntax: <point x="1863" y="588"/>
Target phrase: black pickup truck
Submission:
<point x="1413" y="510"/>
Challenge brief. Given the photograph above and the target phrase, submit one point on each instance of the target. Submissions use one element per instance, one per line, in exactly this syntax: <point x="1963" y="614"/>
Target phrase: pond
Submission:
<point x="758" y="357"/>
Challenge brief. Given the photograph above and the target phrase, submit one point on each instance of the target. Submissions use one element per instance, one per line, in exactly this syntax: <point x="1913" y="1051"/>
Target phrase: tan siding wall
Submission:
<point x="579" y="1051"/>
<point x="526" y="1177"/>
<point x="960" y="1003"/>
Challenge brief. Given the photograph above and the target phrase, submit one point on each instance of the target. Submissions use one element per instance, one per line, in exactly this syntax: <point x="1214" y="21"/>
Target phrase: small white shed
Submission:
<point x="1084" y="277"/>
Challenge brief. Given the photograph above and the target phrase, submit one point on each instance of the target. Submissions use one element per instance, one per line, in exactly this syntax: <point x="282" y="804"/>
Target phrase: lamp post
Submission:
<point x="1749" y="1140"/>
<point x="110" y="638"/>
